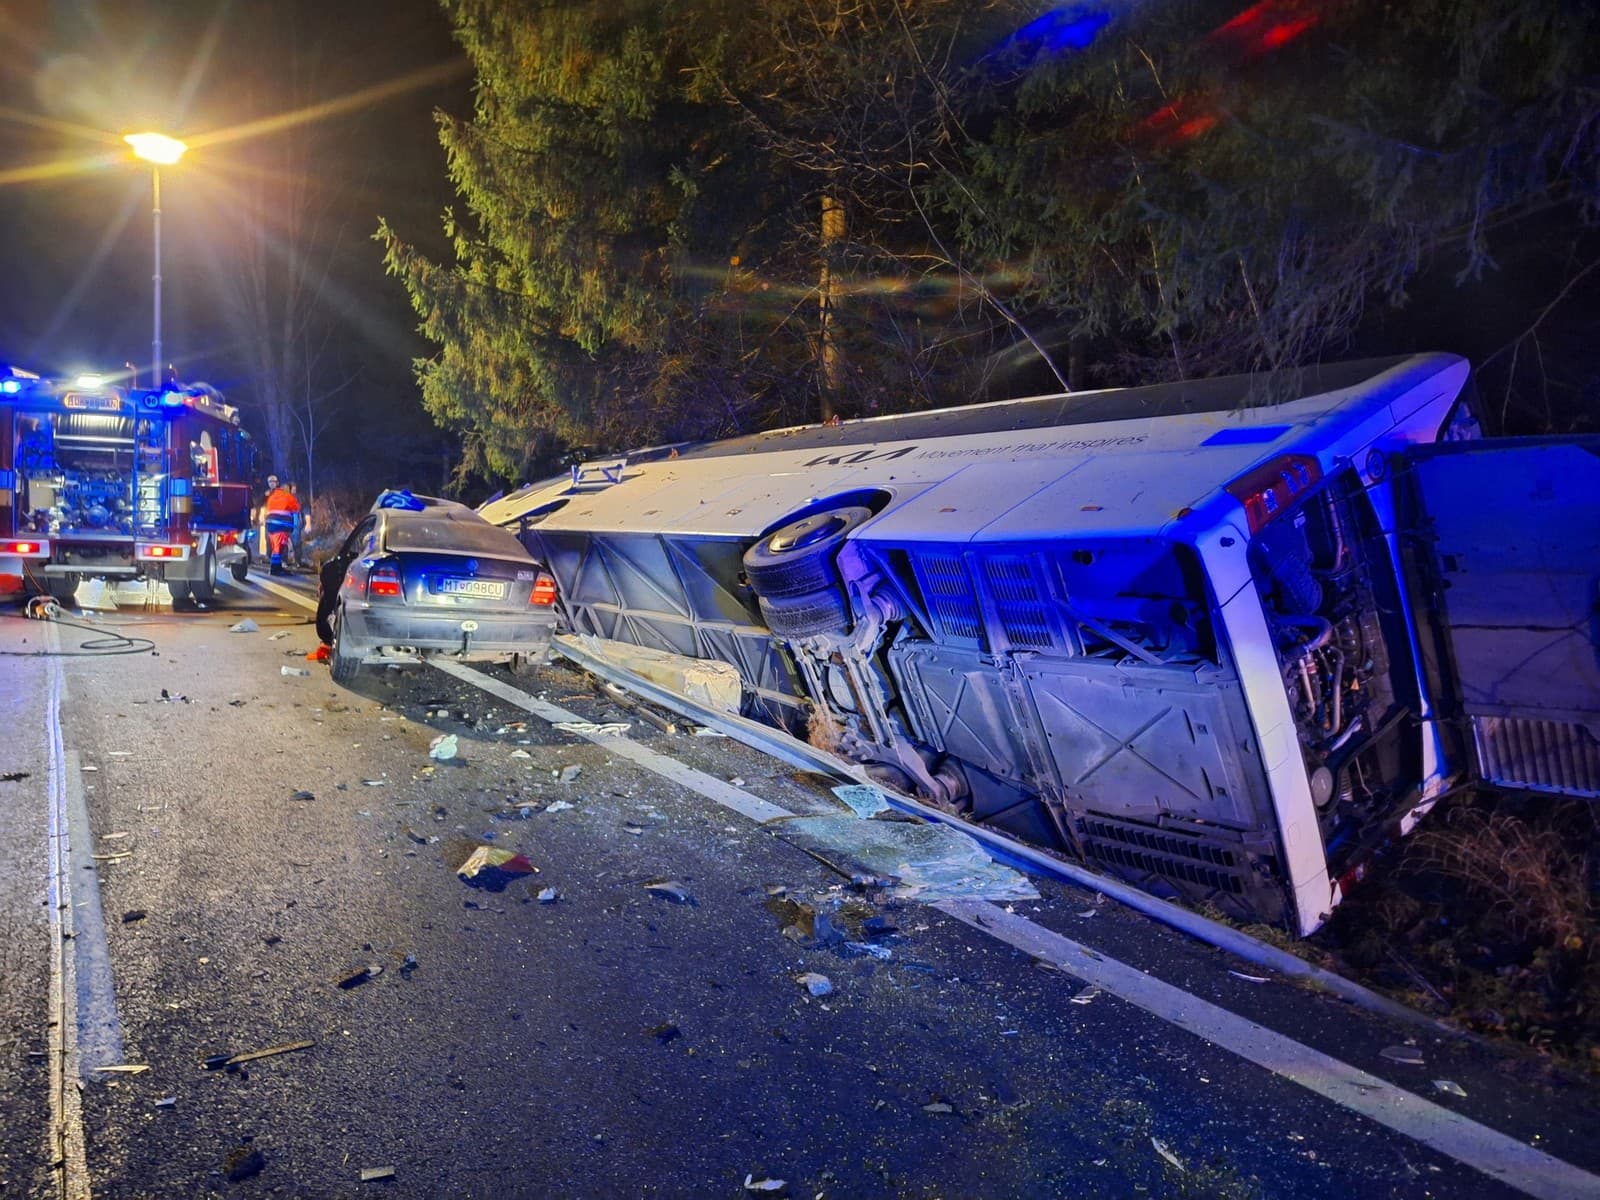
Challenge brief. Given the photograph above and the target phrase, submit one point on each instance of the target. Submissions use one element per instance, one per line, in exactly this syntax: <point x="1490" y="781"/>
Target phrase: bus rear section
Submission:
<point x="1148" y="629"/>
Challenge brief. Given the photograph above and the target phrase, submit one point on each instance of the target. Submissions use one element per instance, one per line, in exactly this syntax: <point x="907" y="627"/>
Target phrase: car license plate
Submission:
<point x="492" y="589"/>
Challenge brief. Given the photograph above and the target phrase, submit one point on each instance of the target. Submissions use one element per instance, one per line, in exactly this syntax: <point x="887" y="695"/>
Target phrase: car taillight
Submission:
<point x="384" y="580"/>
<point x="544" y="590"/>
<point x="156" y="550"/>
<point x="26" y="549"/>
<point x="1274" y="486"/>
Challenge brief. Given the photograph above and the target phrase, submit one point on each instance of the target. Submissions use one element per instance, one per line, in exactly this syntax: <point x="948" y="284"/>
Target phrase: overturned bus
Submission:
<point x="1223" y="638"/>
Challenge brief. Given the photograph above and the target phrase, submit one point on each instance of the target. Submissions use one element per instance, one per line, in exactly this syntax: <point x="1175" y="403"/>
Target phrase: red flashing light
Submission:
<point x="384" y="581"/>
<point x="544" y="590"/>
<point x="1275" y="486"/>
<point x="26" y="549"/>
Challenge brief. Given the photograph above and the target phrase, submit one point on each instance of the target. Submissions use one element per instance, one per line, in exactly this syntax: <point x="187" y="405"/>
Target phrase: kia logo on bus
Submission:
<point x="860" y="456"/>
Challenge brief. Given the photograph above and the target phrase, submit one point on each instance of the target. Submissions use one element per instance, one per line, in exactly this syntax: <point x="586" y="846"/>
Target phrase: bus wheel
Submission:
<point x="804" y="616"/>
<point x="180" y="590"/>
<point x="797" y="560"/>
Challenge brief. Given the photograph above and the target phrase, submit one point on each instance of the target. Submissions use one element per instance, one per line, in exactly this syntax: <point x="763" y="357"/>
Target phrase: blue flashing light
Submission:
<point x="1062" y="29"/>
<point x="172" y="399"/>
<point x="10" y="386"/>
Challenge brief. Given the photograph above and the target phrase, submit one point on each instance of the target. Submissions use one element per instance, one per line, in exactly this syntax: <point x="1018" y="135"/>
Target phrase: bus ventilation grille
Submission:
<point x="948" y="591"/>
<point x="1017" y="601"/>
<point x="1182" y="859"/>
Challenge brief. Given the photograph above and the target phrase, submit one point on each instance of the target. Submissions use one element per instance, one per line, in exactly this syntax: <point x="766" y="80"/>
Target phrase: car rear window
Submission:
<point x="461" y="533"/>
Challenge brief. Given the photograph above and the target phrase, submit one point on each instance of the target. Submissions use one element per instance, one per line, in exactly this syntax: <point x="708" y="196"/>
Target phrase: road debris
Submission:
<point x="168" y="698"/>
<point x="593" y="728"/>
<point x="567" y="774"/>
<point x="132" y="915"/>
<point x="520" y="754"/>
<point x="374" y="1174"/>
<point x="359" y="976"/>
<point x="443" y="748"/>
<point x="166" y="1102"/>
<point x="375" y="782"/>
<point x="1087" y="996"/>
<point x="804" y="924"/>
<point x="294" y="671"/>
<point x="19" y="776"/>
<point x="937" y="1107"/>
<point x="277" y="637"/>
<point x="243" y="1162"/>
<point x="409" y="965"/>
<point x="125" y="1069"/>
<point x="817" y="985"/>
<point x="670" y="889"/>
<point x="1449" y="1087"/>
<point x="881" y="953"/>
<point x="231" y="1062"/>
<point x="548" y="895"/>
<point x="1249" y="978"/>
<point x="1161" y="1149"/>
<point x="492" y="868"/>
<point x="245" y="626"/>
<point x="558" y="806"/>
<point x="1406" y="1055"/>
<point x="764" y="1184"/>
<point x="707" y="731"/>
<point x="863" y="799"/>
<point x="302" y="795"/>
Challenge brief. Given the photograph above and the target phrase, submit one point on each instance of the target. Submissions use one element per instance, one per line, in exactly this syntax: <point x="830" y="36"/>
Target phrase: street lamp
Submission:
<point x="159" y="151"/>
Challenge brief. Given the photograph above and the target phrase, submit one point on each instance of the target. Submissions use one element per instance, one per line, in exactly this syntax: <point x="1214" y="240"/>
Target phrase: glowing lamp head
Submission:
<point x="157" y="148"/>
<point x="90" y="380"/>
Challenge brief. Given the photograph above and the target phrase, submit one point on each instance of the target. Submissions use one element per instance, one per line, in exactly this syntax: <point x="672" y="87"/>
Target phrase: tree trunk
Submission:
<point x="830" y="376"/>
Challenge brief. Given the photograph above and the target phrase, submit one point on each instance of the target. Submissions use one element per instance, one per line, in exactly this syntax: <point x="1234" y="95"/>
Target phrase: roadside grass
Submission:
<point x="1487" y="916"/>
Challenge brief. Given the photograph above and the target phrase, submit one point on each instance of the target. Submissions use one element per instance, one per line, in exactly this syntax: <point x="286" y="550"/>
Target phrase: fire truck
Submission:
<point x="99" y="481"/>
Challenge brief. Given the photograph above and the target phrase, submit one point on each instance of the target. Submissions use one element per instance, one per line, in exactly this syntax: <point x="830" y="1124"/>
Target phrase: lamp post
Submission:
<point x="159" y="151"/>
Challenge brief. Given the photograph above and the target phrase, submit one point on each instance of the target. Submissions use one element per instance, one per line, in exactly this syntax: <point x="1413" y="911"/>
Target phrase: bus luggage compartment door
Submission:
<point x="1505" y="568"/>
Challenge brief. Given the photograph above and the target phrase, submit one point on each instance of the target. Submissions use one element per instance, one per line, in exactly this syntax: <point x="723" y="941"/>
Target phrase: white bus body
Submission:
<point x="1194" y="634"/>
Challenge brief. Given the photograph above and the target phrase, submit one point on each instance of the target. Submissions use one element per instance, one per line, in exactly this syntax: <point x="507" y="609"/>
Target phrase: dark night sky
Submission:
<point x="76" y="250"/>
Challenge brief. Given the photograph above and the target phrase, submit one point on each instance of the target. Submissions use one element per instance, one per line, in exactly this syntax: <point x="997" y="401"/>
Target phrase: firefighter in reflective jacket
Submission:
<point x="278" y="514"/>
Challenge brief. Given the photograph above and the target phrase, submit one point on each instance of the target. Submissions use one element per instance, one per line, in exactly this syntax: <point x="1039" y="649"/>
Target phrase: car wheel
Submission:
<point x="204" y="589"/>
<point x="804" y="616"/>
<point x="797" y="560"/>
<point x="240" y="567"/>
<point x="341" y="664"/>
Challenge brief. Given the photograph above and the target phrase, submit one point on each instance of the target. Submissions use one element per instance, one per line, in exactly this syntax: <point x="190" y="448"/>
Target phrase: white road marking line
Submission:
<point x="1495" y="1154"/>
<point x="724" y="793"/>
<point x="1501" y="1157"/>
<point x="278" y="589"/>
<point x="69" y="1164"/>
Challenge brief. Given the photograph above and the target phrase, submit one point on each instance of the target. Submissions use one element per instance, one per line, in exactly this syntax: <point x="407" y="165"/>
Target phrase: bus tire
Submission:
<point x="180" y="590"/>
<point x="797" y="559"/>
<point x="805" y="616"/>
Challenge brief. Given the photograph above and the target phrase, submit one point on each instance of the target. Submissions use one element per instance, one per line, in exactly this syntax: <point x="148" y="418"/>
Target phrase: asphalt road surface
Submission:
<point x="202" y="856"/>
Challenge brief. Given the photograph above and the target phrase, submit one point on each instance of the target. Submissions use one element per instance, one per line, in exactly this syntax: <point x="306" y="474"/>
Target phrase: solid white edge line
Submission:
<point x="68" y="1161"/>
<point x="1495" y="1154"/>
<point x="622" y="746"/>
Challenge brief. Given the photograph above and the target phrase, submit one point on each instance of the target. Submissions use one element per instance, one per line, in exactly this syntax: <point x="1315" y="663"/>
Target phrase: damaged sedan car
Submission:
<point x="421" y="577"/>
